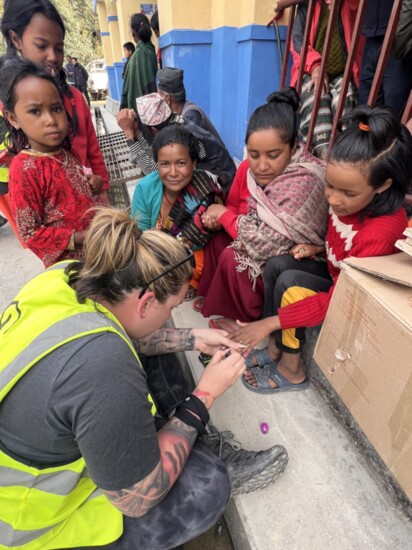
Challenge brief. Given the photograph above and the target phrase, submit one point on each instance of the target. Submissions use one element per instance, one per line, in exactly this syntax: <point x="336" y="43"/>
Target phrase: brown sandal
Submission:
<point x="199" y="303"/>
<point x="190" y="294"/>
<point x="223" y="323"/>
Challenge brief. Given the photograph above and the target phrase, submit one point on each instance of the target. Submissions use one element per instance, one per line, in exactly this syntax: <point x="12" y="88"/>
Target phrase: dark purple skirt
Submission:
<point x="228" y="292"/>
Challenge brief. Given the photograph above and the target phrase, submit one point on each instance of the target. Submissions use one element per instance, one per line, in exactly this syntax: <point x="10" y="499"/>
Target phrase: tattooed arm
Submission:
<point x="169" y="340"/>
<point x="176" y="440"/>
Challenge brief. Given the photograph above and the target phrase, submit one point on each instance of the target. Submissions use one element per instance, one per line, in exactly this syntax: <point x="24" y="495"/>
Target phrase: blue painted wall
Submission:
<point x="113" y="90"/>
<point x="228" y="71"/>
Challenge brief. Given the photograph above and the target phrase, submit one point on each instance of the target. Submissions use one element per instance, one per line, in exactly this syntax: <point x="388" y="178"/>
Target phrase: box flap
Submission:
<point x="396" y="267"/>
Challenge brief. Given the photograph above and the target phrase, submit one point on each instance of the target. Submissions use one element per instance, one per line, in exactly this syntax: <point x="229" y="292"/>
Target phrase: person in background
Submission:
<point x="170" y="86"/>
<point x="153" y="115"/>
<point x="81" y="76"/>
<point x="128" y="51"/>
<point x="397" y="77"/>
<point x="92" y="463"/>
<point x="154" y="23"/>
<point x="35" y="30"/>
<point x="335" y="67"/>
<point x="69" y="68"/>
<point x="140" y="75"/>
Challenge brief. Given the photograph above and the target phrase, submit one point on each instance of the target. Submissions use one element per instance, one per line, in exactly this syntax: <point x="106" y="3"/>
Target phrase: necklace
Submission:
<point x="170" y="203"/>
<point x="51" y="155"/>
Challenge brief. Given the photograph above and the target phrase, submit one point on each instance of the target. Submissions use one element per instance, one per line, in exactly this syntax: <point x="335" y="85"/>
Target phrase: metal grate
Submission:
<point x="116" y="157"/>
<point x="112" y="106"/>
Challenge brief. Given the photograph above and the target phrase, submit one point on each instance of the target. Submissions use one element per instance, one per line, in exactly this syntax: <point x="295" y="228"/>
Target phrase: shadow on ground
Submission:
<point x="217" y="538"/>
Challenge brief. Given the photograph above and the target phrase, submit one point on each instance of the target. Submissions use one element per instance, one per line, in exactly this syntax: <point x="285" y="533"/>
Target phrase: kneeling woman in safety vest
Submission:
<point x="79" y="446"/>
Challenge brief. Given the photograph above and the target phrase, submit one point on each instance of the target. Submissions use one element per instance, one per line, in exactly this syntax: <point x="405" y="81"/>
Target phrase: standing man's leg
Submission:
<point x="370" y="57"/>
<point x="397" y="83"/>
<point x="86" y="95"/>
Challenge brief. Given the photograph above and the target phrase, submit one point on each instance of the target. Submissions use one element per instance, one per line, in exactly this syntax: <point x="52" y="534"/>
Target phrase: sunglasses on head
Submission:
<point x="189" y="258"/>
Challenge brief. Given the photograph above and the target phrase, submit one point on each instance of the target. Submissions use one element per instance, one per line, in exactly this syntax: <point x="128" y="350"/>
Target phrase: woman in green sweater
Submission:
<point x="140" y="75"/>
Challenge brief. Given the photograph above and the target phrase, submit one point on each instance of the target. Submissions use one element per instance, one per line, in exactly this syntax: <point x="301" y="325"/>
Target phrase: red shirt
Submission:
<point x="49" y="199"/>
<point x="236" y="202"/>
<point x="85" y="144"/>
<point x="346" y="237"/>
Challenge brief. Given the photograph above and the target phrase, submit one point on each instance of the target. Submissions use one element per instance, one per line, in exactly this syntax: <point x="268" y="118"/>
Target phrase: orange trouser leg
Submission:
<point x="198" y="270"/>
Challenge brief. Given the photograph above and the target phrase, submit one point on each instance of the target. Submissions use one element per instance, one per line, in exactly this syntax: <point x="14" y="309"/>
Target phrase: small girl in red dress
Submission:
<point x="50" y="197"/>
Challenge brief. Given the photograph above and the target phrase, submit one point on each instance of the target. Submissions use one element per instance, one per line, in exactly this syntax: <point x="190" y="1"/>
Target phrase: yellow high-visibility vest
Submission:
<point x="59" y="507"/>
<point x="4" y="170"/>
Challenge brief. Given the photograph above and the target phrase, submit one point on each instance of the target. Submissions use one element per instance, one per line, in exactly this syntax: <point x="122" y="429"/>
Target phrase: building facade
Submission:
<point x="230" y="58"/>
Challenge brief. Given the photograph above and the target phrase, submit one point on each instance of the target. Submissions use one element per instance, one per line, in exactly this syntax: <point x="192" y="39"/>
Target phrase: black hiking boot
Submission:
<point x="248" y="470"/>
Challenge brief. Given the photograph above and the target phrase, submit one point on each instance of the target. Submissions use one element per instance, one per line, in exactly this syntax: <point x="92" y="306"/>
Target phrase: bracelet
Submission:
<point x="188" y="418"/>
<point x="193" y="404"/>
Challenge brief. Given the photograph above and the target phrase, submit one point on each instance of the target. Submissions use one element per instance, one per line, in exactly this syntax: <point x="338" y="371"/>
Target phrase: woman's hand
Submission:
<point x="221" y="373"/>
<point x="210" y="217"/>
<point x="251" y="334"/>
<point x="126" y="119"/>
<point x="305" y="250"/>
<point x="208" y="340"/>
<point x="315" y="74"/>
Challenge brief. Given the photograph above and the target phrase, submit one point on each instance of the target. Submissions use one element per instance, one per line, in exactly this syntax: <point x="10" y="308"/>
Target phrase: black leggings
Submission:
<point x="295" y="279"/>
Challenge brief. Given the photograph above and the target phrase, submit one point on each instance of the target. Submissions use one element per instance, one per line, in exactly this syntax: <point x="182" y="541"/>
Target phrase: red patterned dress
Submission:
<point x="50" y="198"/>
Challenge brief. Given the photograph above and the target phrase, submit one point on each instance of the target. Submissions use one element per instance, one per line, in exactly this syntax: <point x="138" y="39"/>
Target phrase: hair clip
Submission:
<point x="364" y="127"/>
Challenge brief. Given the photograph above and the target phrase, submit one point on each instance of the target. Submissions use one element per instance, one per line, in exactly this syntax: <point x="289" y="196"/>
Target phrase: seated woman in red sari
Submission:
<point x="283" y="189"/>
<point x="174" y="197"/>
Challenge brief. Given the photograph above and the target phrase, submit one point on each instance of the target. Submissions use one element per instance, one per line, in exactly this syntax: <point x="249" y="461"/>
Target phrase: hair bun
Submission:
<point x="286" y="95"/>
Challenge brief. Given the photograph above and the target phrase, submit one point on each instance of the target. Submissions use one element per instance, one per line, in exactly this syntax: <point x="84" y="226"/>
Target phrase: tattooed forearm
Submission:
<point x="167" y="340"/>
<point x="175" y="442"/>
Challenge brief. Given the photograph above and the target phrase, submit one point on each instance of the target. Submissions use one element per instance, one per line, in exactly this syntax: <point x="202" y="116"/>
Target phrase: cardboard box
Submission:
<point x="365" y="351"/>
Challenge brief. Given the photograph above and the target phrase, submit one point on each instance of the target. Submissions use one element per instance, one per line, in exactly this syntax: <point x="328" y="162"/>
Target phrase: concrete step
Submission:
<point x="329" y="496"/>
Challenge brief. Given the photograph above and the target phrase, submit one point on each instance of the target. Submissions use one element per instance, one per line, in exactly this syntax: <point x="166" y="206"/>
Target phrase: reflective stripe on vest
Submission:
<point x="4" y="173"/>
<point x="57" y="507"/>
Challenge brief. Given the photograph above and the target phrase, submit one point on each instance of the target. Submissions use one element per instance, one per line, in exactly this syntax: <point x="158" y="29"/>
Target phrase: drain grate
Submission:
<point x="116" y="157"/>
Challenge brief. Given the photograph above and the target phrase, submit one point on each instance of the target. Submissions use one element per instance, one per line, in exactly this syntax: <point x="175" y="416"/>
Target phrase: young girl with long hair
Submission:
<point x="369" y="171"/>
<point x="50" y="196"/>
<point x="34" y="30"/>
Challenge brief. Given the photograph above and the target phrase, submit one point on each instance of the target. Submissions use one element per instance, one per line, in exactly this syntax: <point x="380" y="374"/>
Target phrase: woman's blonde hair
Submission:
<point x="120" y="259"/>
